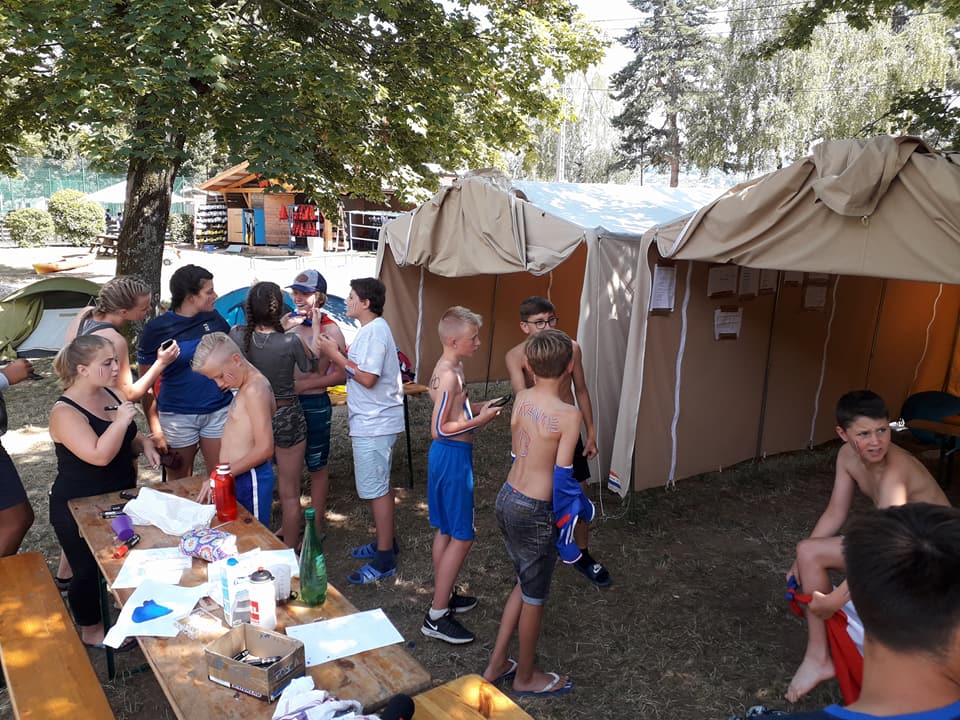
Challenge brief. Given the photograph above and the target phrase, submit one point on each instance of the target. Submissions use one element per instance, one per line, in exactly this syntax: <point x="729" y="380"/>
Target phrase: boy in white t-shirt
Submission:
<point x="375" y="404"/>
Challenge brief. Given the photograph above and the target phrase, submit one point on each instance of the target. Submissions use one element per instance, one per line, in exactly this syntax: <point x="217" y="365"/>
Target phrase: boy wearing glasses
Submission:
<point x="536" y="315"/>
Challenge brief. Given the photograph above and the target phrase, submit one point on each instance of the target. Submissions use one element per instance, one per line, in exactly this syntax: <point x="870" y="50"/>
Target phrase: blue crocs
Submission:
<point x="369" y="574"/>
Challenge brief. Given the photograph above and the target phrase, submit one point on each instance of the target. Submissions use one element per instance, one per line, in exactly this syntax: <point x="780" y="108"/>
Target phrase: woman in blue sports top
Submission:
<point x="190" y="411"/>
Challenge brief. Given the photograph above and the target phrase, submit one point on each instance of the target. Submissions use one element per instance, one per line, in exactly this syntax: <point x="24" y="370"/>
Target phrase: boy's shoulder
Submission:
<point x="517" y="353"/>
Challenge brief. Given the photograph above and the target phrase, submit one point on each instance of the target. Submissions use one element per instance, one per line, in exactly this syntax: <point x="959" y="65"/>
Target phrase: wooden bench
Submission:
<point x="45" y="664"/>
<point x="467" y="698"/>
<point x="105" y="244"/>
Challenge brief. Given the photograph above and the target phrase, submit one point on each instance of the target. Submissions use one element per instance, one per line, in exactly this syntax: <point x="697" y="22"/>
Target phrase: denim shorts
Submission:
<point x="371" y="465"/>
<point x="183" y="430"/>
<point x="530" y="537"/>
<point x="317" y="411"/>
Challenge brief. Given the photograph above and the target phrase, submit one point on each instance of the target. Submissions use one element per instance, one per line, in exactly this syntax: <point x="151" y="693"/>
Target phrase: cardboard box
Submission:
<point x="265" y="683"/>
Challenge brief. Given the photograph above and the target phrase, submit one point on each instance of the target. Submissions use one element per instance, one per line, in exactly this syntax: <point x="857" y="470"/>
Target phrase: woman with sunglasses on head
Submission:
<point x="96" y="443"/>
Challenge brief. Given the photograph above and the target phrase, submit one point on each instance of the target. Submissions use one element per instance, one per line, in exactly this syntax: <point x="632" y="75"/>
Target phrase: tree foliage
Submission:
<point x="330" y="96"/>
<point x="75" y="220"/>
<point x="29" y="227"/>
<point x="660" y="86"/>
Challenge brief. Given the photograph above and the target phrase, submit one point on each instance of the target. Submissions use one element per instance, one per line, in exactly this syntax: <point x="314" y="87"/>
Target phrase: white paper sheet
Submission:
<point x="727" y="323"/>
<point x="664" y="288"/>
<point x="180" y="601"/>
<point x="722" y="280"/>
<point x="814" y="297"/>
<point x="344" y="636"/>
<point x="793" y="278"/>
<point x="749" y="284"/>
<point x="768" y="281"/>
<point x="163" y="564"/>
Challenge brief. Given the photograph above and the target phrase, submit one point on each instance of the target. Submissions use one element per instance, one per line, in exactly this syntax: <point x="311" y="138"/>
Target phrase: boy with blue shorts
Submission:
<point x="450" y="473"/>
<point x="545" y="430"/>
<point x="247" y="443"/>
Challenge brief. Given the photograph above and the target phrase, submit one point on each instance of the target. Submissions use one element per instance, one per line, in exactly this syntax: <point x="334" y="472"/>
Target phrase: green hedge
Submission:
<point x="180" y="229"/>
<point x="29" y="227"/>
<point x="75" y="220"/>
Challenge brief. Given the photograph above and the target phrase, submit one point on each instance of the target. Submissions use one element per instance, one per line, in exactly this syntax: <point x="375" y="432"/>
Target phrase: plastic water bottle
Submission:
<point x="313" y="566"/>
<point x="236" y="593"/>
<point x="224" y="493"/>
<point x="263" y="601"/>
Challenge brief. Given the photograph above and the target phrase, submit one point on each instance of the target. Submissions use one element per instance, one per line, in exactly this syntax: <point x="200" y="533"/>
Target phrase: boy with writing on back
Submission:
<point x="545" y="431"/>
<point x="450" y="472"/>
<point x="536" y="315"/>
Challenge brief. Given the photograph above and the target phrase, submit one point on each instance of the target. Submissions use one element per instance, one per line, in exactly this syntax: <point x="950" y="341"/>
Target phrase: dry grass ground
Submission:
<point x="694" y="626"/>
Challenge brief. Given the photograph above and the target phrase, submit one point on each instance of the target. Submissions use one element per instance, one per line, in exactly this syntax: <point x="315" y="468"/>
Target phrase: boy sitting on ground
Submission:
<point x="545" y="431"/>
<point x="450" y="473"/>
<point x="886" y="474"/>
<point x="247" y="443"/>
<point x="536" y="315"/>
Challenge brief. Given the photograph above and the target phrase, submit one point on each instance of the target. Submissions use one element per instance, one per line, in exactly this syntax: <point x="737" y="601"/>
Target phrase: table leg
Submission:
<point x="406" y="428"/>
<point x="105" y="618"/>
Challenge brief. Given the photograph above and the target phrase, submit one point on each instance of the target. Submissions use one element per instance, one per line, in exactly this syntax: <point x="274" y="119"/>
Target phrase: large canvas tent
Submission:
<point x="487" y="244"/>
<point x="865" y="235"/>
<point x="35" y="318"/>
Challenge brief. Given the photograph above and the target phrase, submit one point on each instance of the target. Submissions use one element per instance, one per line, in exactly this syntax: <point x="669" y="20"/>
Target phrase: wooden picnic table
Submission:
<point x="371" y="678"/>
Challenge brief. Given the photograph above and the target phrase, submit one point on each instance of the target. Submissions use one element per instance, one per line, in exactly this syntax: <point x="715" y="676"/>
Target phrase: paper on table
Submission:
<point x="344" y="636"/>
<point x="163" y="564"/>
<point x="180" y="601"/>
<point x="174" y="515"/>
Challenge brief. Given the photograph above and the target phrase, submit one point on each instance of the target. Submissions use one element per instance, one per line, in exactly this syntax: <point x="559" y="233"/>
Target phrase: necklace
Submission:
<point x="260" y="344"/>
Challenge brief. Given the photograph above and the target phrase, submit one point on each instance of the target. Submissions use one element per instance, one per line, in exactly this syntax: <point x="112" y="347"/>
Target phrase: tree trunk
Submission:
<point x="145" y="217"/>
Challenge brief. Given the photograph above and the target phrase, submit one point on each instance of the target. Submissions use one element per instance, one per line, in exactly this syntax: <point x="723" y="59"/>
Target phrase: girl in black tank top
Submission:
<point x="96" y="444"/>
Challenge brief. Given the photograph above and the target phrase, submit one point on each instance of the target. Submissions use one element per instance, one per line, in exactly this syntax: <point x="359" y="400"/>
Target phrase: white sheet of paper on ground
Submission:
<point x="163" y="564"/>
<point x="180" y="600"/>
<point x="344" y="636"/>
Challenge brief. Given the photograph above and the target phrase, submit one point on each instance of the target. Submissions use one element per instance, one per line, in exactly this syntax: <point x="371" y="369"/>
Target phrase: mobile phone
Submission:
<point x="166" y="343"/>
<point x="500" y="402"/>
<point x="127" y="495"/>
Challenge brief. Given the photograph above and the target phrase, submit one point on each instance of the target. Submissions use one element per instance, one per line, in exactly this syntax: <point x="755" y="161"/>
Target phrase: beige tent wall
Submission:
<point x="907" y="310"/>
<point x="495" y="297"/>
<point x="721" y="381"/>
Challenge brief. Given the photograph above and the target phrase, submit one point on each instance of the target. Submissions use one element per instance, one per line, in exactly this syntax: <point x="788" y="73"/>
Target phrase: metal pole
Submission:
<point x="876" y="333"/>
<point x="766" y="371"/>
<point x="493" y="327"/>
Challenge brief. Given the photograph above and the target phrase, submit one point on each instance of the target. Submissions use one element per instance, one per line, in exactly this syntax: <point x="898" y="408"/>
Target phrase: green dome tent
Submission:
<point x="34" y="319"/>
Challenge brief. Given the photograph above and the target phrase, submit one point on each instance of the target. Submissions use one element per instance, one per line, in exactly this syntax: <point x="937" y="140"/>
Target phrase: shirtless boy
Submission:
<point x="886" y="474"/>
<point x="247" y="443"/>
<point x="450" y="473"/>
<point x="545" y="432"/>
<point x="536" y="315"/>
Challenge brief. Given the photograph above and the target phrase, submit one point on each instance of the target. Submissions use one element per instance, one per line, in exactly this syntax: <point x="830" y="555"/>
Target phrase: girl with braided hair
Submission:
<point x="275" y="354"/>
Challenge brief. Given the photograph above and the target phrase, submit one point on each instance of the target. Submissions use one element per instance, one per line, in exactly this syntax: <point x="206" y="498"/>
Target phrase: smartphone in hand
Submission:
<point x="500" y="402"/>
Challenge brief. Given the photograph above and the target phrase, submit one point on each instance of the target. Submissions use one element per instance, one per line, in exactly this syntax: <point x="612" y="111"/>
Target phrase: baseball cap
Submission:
<point x="309" y="281"/>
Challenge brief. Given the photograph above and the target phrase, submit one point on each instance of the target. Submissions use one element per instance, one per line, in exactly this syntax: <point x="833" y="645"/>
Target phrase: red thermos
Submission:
<point x="224" y="493"/>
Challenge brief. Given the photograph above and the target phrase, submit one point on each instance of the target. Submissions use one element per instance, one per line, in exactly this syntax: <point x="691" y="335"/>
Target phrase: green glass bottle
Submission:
<point x="313" y="566"/>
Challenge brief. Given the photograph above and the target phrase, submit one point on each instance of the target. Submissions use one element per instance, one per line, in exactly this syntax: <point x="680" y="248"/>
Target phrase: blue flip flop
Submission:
<point x="508" y="674"/>
<point x="369" y="574"/>
<point x="551" y="689"/>
<point x="369" y="551"/>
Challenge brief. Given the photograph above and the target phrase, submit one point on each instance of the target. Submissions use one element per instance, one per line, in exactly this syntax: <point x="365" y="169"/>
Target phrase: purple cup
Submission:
<point x="123" y="526"/>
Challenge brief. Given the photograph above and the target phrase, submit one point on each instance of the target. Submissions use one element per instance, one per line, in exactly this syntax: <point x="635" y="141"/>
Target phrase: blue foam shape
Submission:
<point x="149" y="611"/>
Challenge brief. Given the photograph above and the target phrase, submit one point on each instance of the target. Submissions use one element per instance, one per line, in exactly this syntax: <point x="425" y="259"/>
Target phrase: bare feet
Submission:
<point x="91" y="634"/>
<point x="810" y="674"/>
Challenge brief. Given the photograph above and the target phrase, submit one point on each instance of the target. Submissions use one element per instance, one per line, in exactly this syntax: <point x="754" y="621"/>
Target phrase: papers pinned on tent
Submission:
<point x="664" y="291"/>
<point x="792" y="278"/>
<point x="768" y="282"/>
<point x="749" y="283"/>
<point x="722" y="281"/>
<point x="814" y="297"/>
<point x="727" y="322"/>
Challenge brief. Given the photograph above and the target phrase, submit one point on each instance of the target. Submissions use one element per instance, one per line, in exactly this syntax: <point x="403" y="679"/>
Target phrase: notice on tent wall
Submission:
<point x="727" y="322"/>
<point x="664" y="291"/>
<point x="768" y="282"/>
<point x="814" y="297"/>
<point x="818" y="279"/>
<point x="792" y="278"/>
<point x="749" y="284"/>
<point x="722" y="281"/>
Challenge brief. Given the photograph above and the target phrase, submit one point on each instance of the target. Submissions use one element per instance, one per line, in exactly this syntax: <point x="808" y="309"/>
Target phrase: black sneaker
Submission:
<point x="462" y="603"/>
<point x="595" y="573"/>
<point x="447" y="629"/>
